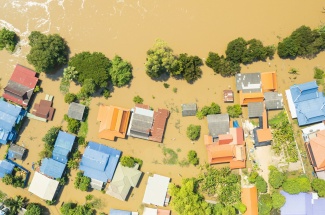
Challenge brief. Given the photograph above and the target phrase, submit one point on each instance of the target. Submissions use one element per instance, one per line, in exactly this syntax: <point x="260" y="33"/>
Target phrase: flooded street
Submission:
<point x="129" y="28"/>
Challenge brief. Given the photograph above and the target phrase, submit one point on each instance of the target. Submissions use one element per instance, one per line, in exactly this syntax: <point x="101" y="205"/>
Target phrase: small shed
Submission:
<point x="6" y="168"/>
<point x="44" y="109"/>
<point x="156" y="190"/>
<point x="76" y="111"/>
<point x="189" y="109"/>
<point x="16" y="152"/>
<point x="228" y="96"/>
<point x="43" y="186"/>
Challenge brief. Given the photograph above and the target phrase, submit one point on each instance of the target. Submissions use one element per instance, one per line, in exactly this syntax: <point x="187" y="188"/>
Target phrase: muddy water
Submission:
<point x="128" y="28"/>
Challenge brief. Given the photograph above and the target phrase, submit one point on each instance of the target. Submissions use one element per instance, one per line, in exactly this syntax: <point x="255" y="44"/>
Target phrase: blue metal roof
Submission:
<point x="305" y="91"/>
<point x="52" y="168"/>
<point x="99" y="161"/>
<point x="319" y="206"/>
<point x="60" y="154"/>
<point x="65" y="140"/>
<point x="119" y="212"/>
<point x="5" y="168"/>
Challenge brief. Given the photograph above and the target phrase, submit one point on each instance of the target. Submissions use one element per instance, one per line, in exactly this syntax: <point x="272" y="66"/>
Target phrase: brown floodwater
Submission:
<point x="129" y="28"/>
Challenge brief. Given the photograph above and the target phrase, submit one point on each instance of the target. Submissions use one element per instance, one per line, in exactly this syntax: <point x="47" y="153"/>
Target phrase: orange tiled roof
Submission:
<point x="249" y="198"/>
<point x="264" y="135"/>
<point x="269" y="81"/>
<point x="113" y="122"/>
<point x="317" y="145"/>
<point x="246" y="98"/>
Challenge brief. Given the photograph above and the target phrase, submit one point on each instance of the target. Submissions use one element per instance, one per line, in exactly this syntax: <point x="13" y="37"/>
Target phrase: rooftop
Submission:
<point x="255" y="109"/>
<point x="218" y="124"/>
<point x="43" y="186"/>
<point x="6" y="168"/>
<point x="52" y="168"/>
<point x="249" y="82"/>
<point x="316" y="151"/>
<point x="269" y="81"/>
<point x="228" y="96"/>
<point x="189" y="109"/>
<point x="156" y="190"/>
<point x="249" y="198"/>
<point x="63" y="145"/>
<point x="273" y="100"/>
<point x="44" y="109"/>
<point x="76" y="111"/>
<point x="16" y="152"/>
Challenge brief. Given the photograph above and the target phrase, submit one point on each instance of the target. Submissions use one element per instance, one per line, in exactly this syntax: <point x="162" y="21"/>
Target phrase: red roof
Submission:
<point x="159" y="124"/>
<point x="24" y="76"/>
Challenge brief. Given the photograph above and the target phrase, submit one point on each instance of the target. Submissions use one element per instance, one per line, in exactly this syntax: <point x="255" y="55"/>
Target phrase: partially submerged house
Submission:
<point x="52" y="168"/>
<point x="76" y="111"/>
<point x="156" y="191"/>
<point x="189" y="109"/>
<point x="43" y="187"/>
<point x="306" y="103"/>
<point x="10" y="117"/>
<point x="147" y="124"/>
<point x="63" y="146"/>
<point x="228" y="96"/>
<point x="249" y="198"/>
<point x="99" y="163"/>
<point x="303" y="203"/>
<point x="124" y="179"/>
<point x="255" y="109"/>
<point x="6" y="168"/>
<point x="21" y="85"/>
<point x="262" y="133"/>
<point x="218" y="124"/>
<point x="16" y="152"/>
<point x="113" y="122"/>
<point x="155" y="211"/>
<point x="273" y="100"/>
<point x="228" y="148"/>
<point x="44" y="109"/>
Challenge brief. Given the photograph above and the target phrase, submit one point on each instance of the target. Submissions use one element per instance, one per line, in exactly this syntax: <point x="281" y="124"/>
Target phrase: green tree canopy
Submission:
<point x="70" y="97"/>
<point x="51" y="135"/>
<point x="82" y="182"/>
<point x="160" y="59"/>
<point x="261" y="184"/>
<point x="127" y="161"/>
<point x="278" y="200"/>
<point x="71" y="208"/>
<point x="296" y="185"/>
<point x="264" y="204"/>
<point x="87" y="89"/>
<point x="33" y="209"/>
<point x="73" y="125"/>
<point x="70" y="73"/>
<point x="234" y="111"/>
<point x="120" y="72"/>
<point x="47" y="52"/>
<point x="318" y="186"/>
<point x="93" y="66"/>
<point x="193" y="131"/>
<point x="8" y="39"/>
<point x="192" y="157"/>
<point x="137" y="99"/>
<point x="189" y="67"/>
<point x="222" y="66"/>
<point x="276" y="178"/>
<point x="236" y="49"/>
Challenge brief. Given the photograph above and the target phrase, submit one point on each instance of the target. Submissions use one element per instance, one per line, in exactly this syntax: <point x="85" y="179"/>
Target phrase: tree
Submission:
<point x="193" y="131"/>
<point x="278" y="200"/>
<point x="236" y="49"/>
<point x="15" y="204"/>
<point x="73" y="125"/>
<point x="73" y="164"/>
<point x="222" y="66"/>
<point x="318" y="186"/>
<point x="137" y="99"/>
<point x="127" y="161"/>
<point x="120" y="72"/>
<point x="70" y="73"/>
<point x="33" y="209"/>
<point x="189" y="67"/>
<point x="8" y="39"/>
<point x="70" y="97"/>
<point x="192" y="157"/>
<point x="82" y="182"/>
<point x="160" y="59"/>
<point x="296" y="185"/>
<point x="206" y="110"/>
<point x="8" y="179"/>
<point x="255" y="51"/>
<point x="91" y="66"/>
<point x="87" y="89"/>
<point x="234" y="111"/>
<point x="252" y="177"/>
<point x="240" y="207"/>
<point x="47" y="52"/>
<point x="51" y="135"/>
<point x="261" y="184"/>
<point x="265" y="204"/>
<point x="276" y="177"/>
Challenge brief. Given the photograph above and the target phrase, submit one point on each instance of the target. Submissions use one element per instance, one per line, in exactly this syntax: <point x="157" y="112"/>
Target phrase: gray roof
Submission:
<point x="141" y="123"/>
<point x="189" y="109"/>
<point x="218" y="124"/>
<point x="16" y="151"/>
<point x="273" y="100"/>
<point x="95" y="184"/>
<point x="255" y="109"/>
<point x="248" y="82"/>
<point x="76" y="111"/>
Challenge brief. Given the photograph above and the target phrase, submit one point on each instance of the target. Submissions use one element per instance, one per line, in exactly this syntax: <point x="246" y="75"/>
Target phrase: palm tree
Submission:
<point x="15" y="204"/>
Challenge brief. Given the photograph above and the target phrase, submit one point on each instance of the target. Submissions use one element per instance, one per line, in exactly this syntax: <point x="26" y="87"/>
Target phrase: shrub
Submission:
<point x="175" y="90"/>
<point x="120" y="72"/>
<point x="207" y="110"/>
<point x="33" y="209"/>
<point x="296" y="185"/>
<point x="82" y="182"/>
<point x="193" y="132"/>
<point x="8" y="39"/>
<point x="138" y="100"/>
<point x="276" y="177"/>
<point x="166" y="85"/>
<point x="278" y="200"/>
<point x="69" y="97"/>
<point x="106" y="93"/>
<point x="318" y="186"/>
<point x="261" y="184"/>
<point x="234" y="111"/>
<point x="192" y="157"/>
<point x="252" y="177"/>
<point x="73" y="125"/>
<point x="240" y="207"/>
<point x="127" y="161"/>
<point x="318" y="73"/>
<point x="265" y="204"/>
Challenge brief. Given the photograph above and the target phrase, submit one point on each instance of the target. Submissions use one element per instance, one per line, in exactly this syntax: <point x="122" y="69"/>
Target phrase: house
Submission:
<point x="124" y="179"/>
<point x="303" y="204"/>
<point x="6" y="168"/>
<point x="189" y="109"/>
<point x="262" y="133"/>
<point x="255" y="109"/>
<point x="43" y="186"/>
<point x="155" y="211"/>
<point x="269" y="81"/>
<point x="228" y="148"/>
<point x="311" y="131"/>
<point x="44" y="109"/>
<point x="249" y="198"/>
<point x="273" y="100"/>
<point x="113" y="122"/>
<point x="121" y="212"/>
<point x="76" y="111"/>
<point x="316" y="150"/>
<point x="52" y="168"/>
<point x="156" y="190"/>
<point x="306" y="103"/>
<point x="10" y="117"/>
<point x="218" y="124"/>
<point x="147" y="124"/>
<point x="16" y="152"/>
<point x="99" y="162"/>
<point x="21" y="86"/>
<point x="228" y="96"/>
<point x="63" y="146"/>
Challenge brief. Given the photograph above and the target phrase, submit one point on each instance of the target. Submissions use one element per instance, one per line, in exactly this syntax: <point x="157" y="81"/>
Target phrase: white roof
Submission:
<point x="150" y="211"/>
<point x="313" y="128"/>
<point x="43" y="186"/>
<point x="292" y="106"/>
<point x="144" y="112"/>
<point x="156" y="190"/>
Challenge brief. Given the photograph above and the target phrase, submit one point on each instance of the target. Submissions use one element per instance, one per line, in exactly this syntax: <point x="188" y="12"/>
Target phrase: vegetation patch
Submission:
<point x="129" y="161"/>
<point x="171" y="157"/>
<point x="82" y="182"/>
<point x="49" y="140"/>
<point x="192" y="157"/>
<point x="193" y="132"/>
<point x="8" y="40"/>
<point x="234" y="111"/>
<point x="16" y="179"/>
<point x="137" y="99"/>
<point x="207" y="110"/>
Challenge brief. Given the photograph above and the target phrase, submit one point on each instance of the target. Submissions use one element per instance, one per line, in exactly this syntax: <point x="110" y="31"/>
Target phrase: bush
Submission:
<point x="127" y="161"/>
<point x="69" y="97"/>
<point x="33" y="209"/>
<point x="138" y="100"/>
<point x="296" y="185"/>
<point x="265" y="204"/>
<point x="82" y="182"/>
<point x="318" y="73"/>
<point x="192" y="157"/>
<point x="234" y="111"/>
<point x="166" y="85"/>
<point x="318" y="186"/>
<point x="120" y="72"/>
<point x="278" y="200"/>
<point x="276" y="177"/>
<point x="240" y="207"/>
<point x="207" y="110"/>
<point x="73" y="125"/>
<point x="261" y="184"/>
<point x="87" y="89"/>
<point x="106" y="93"/>
<point x="193" y="132"/>
<point x="8" y="39"/>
